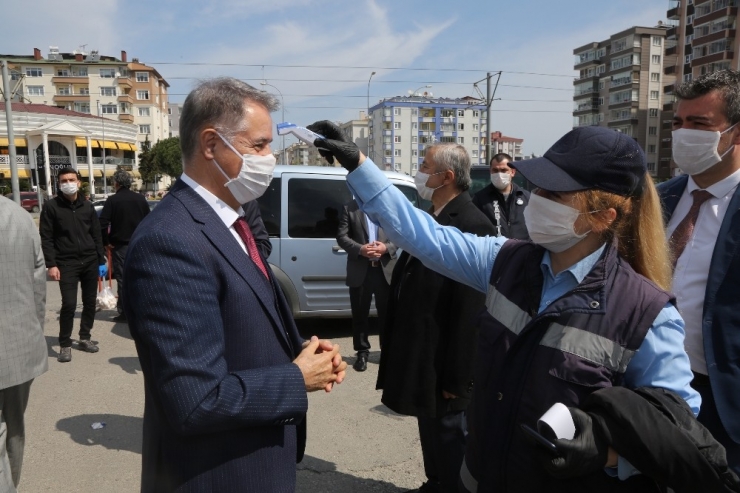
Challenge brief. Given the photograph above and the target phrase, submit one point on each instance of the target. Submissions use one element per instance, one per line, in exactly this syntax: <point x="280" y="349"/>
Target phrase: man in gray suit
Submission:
<point x="22" y="346"/>
<point x="370" y="261"/>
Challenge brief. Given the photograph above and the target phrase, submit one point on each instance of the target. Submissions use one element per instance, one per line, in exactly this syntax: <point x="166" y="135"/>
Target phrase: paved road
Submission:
<point x="354" y="442"/>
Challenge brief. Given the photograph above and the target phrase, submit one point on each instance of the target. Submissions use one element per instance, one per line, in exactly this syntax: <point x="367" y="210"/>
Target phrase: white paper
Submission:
<point x="559" y="421"/>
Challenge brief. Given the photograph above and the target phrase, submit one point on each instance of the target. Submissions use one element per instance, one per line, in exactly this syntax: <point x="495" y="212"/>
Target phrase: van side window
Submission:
<point x="314" y="207"/>
<point x="270" y="208"/>
<point x="410" y="193"/>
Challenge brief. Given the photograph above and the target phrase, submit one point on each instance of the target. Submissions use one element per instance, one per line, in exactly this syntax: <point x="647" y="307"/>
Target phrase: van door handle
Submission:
<point x="337" y="249"/>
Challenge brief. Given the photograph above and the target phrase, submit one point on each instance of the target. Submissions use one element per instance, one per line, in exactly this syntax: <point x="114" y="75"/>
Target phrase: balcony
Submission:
<point x="674" y="14"/>
<point x="126" y="118"/>
<point x="668" y="106"/>
<point x="669" y="70"/>
<point x="714" y="57"/>
<point x="717" y="14"/>
<point x="669" y="89"/>
<point x="708" y="38"/>
<point x="74" y="79"/>
<point x="125" y="82"/>
<point x="126" y="98"/>
<point x="71" y="98"/>
<point x="671" y="32"/>
<point x="672" y="50"/>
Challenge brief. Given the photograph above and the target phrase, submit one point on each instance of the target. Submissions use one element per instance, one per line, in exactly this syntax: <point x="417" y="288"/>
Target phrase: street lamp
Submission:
<point x="368" y="113"/>
<point x="417" y="90"/>
<point x="105" y="182"/>
<point x="282" y="104"/>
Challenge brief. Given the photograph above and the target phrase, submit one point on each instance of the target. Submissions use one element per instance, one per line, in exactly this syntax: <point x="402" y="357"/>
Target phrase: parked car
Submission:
<point x="29" y="201"/>
<point x="301" y="211"/>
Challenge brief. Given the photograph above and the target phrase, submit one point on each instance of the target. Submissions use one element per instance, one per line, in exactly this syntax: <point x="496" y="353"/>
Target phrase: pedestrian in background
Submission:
<point x="702" y="211"/>
<point x="122" y="213"/>
<point x="370" y="261"/>
<point x="503" y="201"/>
<point x="22" y="344"/>
<point x="426" y="366"/>
<point x="74" y="255"/>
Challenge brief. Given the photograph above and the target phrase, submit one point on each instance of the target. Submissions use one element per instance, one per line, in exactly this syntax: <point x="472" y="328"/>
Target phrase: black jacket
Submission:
<point x="123" y="211"/>
<point x="70" y="232"/>
<point x="512" y="209"/>
<point x="430" y="335"/>
<point x="655" y="430"/>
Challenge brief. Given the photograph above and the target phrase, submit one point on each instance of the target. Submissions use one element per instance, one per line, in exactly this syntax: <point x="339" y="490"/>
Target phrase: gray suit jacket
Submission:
<point x="23" y="354"/>
<point x="351" y="235"/>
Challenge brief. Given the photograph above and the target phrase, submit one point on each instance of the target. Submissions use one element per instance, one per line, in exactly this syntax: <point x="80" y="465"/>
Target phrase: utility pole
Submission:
<point x="14" y="186"/>
<point x="489" y="99"/>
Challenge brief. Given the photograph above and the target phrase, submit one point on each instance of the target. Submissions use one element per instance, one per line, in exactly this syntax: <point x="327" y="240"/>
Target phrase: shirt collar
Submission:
<point x="719" y="189"/>
<point x="579" y="270"/>
<point x="221" y="208"/>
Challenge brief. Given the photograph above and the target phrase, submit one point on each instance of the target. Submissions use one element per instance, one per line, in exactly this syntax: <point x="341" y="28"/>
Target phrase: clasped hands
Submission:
<point x="321" y="364"/>
<point x="373" y="250"/>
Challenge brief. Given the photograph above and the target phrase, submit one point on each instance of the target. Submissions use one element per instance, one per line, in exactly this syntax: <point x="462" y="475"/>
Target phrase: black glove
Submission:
<point x="335" y="145"/>
<point x="585" y="454"/>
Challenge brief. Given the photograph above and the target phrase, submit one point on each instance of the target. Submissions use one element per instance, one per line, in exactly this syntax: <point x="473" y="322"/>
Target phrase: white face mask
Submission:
<point x="551" y="224"/>
<point x="500" y="180"/>
<point x="254" y="177"/>
<point x="69" y="188"/>
<point x="695" y="151"/>
<point x="420" y="180"/>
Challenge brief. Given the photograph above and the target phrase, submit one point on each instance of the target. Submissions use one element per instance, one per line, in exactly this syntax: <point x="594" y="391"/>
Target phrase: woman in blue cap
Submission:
<point x="583" y="306"/>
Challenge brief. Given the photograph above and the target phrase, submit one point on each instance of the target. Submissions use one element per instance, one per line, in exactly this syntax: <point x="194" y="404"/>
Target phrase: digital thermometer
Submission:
<point x="302" y="133"/>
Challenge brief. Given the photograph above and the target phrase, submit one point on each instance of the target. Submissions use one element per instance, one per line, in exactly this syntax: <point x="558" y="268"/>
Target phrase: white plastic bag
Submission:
<point x="106" y="300"/>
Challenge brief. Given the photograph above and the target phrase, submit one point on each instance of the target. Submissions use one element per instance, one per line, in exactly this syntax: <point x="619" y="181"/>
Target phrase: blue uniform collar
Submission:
<point x="578" y="271"/>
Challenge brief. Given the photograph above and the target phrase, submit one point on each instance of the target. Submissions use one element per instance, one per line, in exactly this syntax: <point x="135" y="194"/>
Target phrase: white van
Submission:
<point x="301" y="212"/>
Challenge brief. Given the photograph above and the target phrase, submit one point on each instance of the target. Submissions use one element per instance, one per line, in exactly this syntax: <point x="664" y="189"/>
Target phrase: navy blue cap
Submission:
<point x="586" y="158"/>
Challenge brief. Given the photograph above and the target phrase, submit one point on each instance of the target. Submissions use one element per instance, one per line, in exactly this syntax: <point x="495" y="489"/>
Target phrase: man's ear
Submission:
<point x="208" y="140"/>
<point x="736" y="137"/>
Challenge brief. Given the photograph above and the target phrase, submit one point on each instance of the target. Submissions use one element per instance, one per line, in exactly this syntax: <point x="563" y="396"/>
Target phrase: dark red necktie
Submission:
<point x="241" y="227"/>
<point x="682" y="234"/>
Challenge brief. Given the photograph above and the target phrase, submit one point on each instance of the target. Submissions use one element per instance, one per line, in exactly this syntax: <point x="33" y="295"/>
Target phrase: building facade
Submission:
<point x="701" y="39"/>
<point x="89" y="83"/>
<point x="173" y="112"/>
<point x="400" y="129"/>
<point x="620" y="85"/>
<point x="300" y="154"/>
<point x="357" y="131"/>
<point x="508" y="145"/>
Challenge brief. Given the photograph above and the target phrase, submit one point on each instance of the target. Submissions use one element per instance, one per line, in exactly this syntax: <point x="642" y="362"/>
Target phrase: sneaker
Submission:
<point x="65" y="355"/>
<point x="88" y="346"/>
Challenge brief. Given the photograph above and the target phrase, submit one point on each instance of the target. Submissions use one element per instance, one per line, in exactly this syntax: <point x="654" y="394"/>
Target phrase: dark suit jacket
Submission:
<point x="253" y="216"/>
<point x="721" y="318"/>
<point x="512" y="212"/>
<point x="430" y="335"/>
<point x="216" y="343"/>
<point x="352" y="234"/>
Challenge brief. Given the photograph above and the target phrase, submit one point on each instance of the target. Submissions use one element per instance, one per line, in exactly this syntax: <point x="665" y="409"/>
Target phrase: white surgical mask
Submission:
<point x="695" y="151"/>
<point x="69" y="188"/>
<point x="500" y="180"/>
<point x="551" y="224"/>
<point x="254" y="177"/>
<point x="420" y="180"/>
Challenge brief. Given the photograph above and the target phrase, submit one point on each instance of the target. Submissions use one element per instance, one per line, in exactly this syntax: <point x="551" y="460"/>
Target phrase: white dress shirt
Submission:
<point x="692" y="268"/>
<point x="221" y="208"/>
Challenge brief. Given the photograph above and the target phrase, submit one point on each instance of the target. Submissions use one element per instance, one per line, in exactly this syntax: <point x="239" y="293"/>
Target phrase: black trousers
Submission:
<point x="86" y="275"/>
<point x="709" y="417"/>
<point x="443" y="448"/>
<point x="118" y="256"/>
<point x="360" y="298"/>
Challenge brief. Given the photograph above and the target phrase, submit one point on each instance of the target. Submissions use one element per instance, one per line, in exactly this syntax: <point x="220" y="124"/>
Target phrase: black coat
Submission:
<point x="123" y="211"/>
<point x="70" y="232"/>
<point x="512" y="209"/>
<point x="430" y="336"/>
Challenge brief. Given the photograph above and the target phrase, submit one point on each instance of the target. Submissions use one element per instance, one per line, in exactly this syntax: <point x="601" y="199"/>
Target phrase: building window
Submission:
<point x="657" y="41"/>
<point x="144" y="95"/>
<point x="82" y="108"/>
<point x="655" y="77"/>
<point x="107" y="73"/>
<point x="414" y="126"/>
<point x="476" y="114"/>
<point x="35" y="90"/>
<point x="397" y="139"/>
<point x="475" y="153"/>
<point x="461" y="126"/>
<point x="397" y="152"/>
<point x="460" y="113"/>
<point x="397" y="111"/>
<point x="125" y="109"/>
<point x="653" y="112"/>
<point x="475" y="140"/>
<point x="107" y="91"/>
<point x="145" y="129"/>
<point x="651" y="148"/>
<point x="34" y="72"/>
<point x="83" y="91"/>
<point x="414" y="139"/>
<point x="655" y="59"/>
<point x="652" y="130"/>
<point x="109" y="109"/>
<point x="63" y="91"/>
<point x="142" y="76"/>
<point x="414" y="153"/>
<point x="654" y="94"/>
<point x="651" y="167"/>
<point x="80" y="72"/>
<point x="397" y="125"/>
<point x="414" y="112"/>
<point x="476" y="127"/>
<point x="62" y="73"/>
<point x="461" y="140"/>
<point x="144" y="112"/>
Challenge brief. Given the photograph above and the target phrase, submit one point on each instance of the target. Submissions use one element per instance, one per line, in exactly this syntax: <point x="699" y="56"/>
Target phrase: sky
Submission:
<point x="320" y="53"/>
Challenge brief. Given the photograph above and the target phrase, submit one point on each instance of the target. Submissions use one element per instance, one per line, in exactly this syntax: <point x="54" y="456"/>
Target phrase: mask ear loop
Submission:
<point x="722" y="156"/>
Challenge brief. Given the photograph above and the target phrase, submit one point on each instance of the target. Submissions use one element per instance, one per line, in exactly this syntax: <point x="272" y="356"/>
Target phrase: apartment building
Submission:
<point x="173" y="111"/>
<point x="701" y="39"/>
<point x="401" y="127"/>
<point x="300" y="154"/>
<point x="90" y="83"/>
<point x="508" y="145"/>
<point x="357" y="131"/>
<point x="620" y="85"/>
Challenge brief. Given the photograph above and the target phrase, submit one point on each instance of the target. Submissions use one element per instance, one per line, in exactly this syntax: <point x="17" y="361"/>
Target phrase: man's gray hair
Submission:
<point x="727" y="82"/>
<point x="218" y="103"/>
<point x="454" y="157"/>
<point x="123" y="178"/>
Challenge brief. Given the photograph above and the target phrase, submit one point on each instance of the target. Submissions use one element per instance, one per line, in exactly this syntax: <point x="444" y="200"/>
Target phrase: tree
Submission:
<point x="168" y="157"/>
<point x="147" y="166"/>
